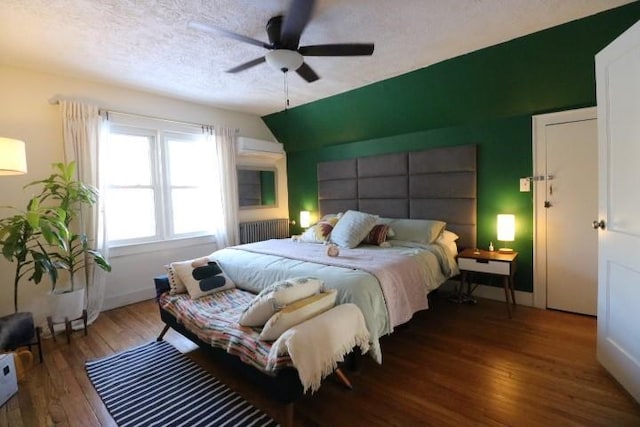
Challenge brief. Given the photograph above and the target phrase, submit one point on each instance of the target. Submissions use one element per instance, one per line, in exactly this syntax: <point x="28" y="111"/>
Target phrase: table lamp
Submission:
<point x="506" y="230"/>
<point x="305" y="219"/>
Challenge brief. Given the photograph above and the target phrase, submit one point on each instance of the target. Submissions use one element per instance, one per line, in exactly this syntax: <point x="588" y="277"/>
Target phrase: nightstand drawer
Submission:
<point x="483" y="266"/>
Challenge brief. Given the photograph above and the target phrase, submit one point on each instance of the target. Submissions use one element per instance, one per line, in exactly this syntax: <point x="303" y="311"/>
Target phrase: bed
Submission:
<point x="357" y="274"/>
<point x="435" y="185"/>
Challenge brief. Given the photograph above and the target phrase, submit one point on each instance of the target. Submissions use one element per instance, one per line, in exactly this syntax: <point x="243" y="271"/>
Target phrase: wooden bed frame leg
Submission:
<point x="164" y="331"/>
<point x="288" y="419"/>
<point x="343" y="378"/>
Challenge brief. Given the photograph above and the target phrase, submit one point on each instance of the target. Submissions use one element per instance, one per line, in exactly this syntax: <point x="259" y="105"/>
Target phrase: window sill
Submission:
<point x="122" y="251"/>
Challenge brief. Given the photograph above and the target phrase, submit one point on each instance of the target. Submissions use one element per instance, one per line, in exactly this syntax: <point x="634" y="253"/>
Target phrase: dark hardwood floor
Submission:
<point x="452" y="365"/>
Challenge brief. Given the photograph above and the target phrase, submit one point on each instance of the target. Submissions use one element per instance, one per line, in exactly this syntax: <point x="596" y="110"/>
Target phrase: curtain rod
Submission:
<point x="56" y="101"/>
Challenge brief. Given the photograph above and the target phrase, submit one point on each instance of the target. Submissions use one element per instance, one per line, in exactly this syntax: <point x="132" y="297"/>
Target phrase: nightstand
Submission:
<point x="493" y="263"/>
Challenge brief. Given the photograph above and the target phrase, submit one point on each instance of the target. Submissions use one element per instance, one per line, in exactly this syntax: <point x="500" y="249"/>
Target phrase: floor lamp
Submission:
<point x="13" y="157"/>
<point x="18" y="329"/>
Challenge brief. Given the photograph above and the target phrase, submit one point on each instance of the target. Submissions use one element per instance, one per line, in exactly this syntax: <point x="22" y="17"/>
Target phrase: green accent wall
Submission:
<point x="486" y="98"/>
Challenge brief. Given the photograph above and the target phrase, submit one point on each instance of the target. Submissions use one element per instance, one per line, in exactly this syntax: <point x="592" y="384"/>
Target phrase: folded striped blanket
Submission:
<point x="214" y="319"/>
<point x="313" y="347"/>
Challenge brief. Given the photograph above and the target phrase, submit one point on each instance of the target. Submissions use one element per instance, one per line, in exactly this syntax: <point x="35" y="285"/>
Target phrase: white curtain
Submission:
<point x="226" y="227"/>
<point x="84" y="132"/>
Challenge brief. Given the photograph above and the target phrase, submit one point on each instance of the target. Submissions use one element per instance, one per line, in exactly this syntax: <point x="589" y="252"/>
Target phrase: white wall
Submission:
<point x="26" y="114"/>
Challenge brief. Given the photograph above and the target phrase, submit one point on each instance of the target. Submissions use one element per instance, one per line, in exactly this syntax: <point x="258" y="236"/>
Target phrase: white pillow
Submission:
<point x="277" y="295"/>
<point x="448" y="236"/>
<point x="352" y="228"/>
<point x="448" y="240"/>
<point x="296" y="313"/>
<point x="417" y="230"/>
<point x="200" y="288"/>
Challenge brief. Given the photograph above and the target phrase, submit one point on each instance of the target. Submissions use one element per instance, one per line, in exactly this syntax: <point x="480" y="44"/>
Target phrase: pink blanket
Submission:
<point x="401" y="277"/>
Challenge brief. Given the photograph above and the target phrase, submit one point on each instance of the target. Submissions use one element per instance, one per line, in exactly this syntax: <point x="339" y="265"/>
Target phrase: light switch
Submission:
<point x="525" y="185"/>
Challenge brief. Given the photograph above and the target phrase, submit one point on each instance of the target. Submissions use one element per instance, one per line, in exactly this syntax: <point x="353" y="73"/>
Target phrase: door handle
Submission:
<point x="598" y="224"/>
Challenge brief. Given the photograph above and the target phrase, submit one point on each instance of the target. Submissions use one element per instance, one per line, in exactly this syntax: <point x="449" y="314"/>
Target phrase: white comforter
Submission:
<point x="366" y="276"/>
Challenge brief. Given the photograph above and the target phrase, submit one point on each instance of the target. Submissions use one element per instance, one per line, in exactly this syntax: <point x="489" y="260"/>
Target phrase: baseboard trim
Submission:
<point x="492" y="292"/>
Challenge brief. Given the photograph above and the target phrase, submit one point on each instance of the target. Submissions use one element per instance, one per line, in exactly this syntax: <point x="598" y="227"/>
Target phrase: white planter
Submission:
<point x="66" y="305"/>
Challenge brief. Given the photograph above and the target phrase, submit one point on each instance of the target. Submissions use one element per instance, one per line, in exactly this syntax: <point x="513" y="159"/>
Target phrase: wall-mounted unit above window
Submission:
<point x="259" y="148"/>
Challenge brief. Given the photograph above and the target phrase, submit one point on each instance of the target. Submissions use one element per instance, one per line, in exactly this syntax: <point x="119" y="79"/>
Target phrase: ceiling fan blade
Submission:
<point x="307" y="73"/>
<point x="343" y="49"/>
<point x="246" y="65"/>
<point x="213" y="29"/>
<point x="274" y="28"/>
<point x="294" y="22"/>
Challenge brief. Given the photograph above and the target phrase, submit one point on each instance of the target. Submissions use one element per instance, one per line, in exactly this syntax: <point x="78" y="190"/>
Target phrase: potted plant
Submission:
<point x="20" y="240"/>
<point x="71" y="251"/>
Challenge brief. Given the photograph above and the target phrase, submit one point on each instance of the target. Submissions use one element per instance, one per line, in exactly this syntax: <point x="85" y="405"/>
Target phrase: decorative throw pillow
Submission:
<point x="352" y="228"/>
<point x="332" y="217"/>
<point x="417" y="230"/>
<point x="175" y="284"/>
<point x="277" y="295"/>
<point x="208" y="279"/>
<point x="318" y="233"/>
<point x="387" y="221"/>
<point x="377" y="235"/>
<point x="296" y="313"/>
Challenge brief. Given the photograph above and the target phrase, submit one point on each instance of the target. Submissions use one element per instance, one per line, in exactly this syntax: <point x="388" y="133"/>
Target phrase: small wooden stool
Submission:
<point x="67" y="325"/>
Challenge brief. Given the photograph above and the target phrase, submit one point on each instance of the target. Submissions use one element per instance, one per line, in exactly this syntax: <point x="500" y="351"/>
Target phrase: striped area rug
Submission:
<point x="156" y="385"/>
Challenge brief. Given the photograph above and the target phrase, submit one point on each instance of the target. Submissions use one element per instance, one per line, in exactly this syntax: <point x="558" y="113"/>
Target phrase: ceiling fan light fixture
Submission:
<point x="284" y="59"/>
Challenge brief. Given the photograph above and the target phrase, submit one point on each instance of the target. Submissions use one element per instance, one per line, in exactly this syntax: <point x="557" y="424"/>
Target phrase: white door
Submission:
<point x="618" y="93"/>
<point x="566" y="200"/>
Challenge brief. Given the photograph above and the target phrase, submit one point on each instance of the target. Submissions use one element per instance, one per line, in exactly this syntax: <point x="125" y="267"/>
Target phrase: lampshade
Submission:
<point x="13" y="157"/>
<point x="305" y="219"/>
<point x="284" y="59"/>
<point x="506" y="229"/>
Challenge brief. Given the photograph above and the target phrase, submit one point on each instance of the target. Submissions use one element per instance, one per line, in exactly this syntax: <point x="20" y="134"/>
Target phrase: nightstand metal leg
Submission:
<point x="460" y="296"/>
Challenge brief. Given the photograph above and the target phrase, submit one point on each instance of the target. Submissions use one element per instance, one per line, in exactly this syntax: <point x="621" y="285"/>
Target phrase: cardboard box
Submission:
<point x="8" y="381"/>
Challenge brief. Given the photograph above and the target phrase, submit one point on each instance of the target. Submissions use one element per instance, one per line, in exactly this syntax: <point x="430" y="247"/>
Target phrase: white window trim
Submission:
<point x="118" y="251"/>
<point x="152" y="123"/>
<point x="159" y="130"/>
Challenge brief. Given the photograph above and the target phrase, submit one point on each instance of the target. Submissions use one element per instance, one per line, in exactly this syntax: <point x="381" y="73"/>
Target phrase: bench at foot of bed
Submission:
<point x="314" y="347"/>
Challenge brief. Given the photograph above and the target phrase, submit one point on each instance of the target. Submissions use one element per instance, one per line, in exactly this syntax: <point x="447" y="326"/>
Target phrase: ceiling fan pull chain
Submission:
<point x="286" y="92"/>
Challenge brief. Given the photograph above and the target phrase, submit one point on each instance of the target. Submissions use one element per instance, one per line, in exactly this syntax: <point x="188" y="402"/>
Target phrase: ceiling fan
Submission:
<point x="284" y="33"/>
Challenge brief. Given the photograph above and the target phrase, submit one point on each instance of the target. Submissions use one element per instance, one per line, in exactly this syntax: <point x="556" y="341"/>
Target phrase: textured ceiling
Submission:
<point x="147" y="44"/>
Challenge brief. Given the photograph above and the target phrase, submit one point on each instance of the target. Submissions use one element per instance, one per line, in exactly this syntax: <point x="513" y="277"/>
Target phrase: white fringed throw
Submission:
<point x="318" y="344"/>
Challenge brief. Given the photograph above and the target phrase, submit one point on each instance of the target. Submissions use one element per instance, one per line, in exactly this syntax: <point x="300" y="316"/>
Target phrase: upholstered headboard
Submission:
<point x="437" y="183"/>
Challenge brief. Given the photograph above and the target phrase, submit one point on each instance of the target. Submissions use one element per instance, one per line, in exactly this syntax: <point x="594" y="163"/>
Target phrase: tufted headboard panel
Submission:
<point x="437" y="183"/>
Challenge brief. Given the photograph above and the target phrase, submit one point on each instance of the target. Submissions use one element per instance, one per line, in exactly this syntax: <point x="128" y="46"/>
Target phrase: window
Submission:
<point x="160" y="182"/>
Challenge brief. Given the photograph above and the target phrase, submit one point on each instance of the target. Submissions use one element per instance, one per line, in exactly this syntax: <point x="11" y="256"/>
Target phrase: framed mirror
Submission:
<point x="257" y="187"/>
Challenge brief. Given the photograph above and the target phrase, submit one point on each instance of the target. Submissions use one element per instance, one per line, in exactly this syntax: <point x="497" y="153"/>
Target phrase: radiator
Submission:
<point x="255" y="231"/>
